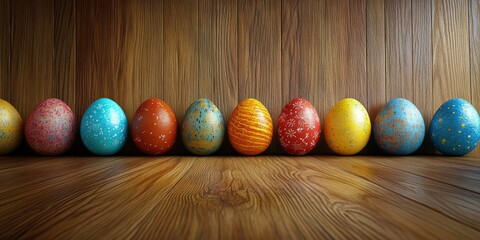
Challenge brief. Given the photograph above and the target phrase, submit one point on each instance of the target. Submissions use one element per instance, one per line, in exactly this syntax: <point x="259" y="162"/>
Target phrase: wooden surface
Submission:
<point x="313" y="197"/>
<point x="227" y="50"/>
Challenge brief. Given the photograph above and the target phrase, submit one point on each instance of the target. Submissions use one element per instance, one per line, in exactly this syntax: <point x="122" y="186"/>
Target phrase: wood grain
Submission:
<point x="65" y="58"/>
<point x="5" y="50"/>
<point x="31" y="79"/>
<point x="323" y="51"/>
<point x="302" y="68"/>
<point x="422" y="65"/>
<point x="259" y="50"/>
<point x="451" y="75"/>
<point x="218" y="58"/>
<point x="95" y="29"/>
<point x="235" y="198"/>
<point x="474" y="31"/>
<point x="398" y="44"/>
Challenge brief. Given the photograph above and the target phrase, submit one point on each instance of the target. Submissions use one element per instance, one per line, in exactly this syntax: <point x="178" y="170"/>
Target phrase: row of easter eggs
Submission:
<point x="398" y="129"/>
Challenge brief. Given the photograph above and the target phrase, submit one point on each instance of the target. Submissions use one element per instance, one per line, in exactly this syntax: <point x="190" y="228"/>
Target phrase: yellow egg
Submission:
<point x="11" y="128"/>
<point x="347" y="127"/>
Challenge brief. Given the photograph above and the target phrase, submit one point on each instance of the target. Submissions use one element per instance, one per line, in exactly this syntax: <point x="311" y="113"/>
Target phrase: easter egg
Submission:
<point x="50" y="127"/>
<point x="104" y="127"/>
<point x="154" y="127"/>
<point x="455" y="128"/>
<point x="399" y="128"/>
<point x="11" y="128"/>
<point x="298" y="127"/>
<point x="250" y="127"/>
<point x="347" y="127"/>
<point x="203" y="128"/>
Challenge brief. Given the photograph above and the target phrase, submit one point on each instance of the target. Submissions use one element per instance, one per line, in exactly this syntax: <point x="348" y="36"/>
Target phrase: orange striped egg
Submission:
<point x="250" y="128"/>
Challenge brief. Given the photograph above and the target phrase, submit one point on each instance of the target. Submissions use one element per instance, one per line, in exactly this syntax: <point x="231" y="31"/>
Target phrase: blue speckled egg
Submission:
<point x="203" y="128"/>
<point x="455" y="127"/>
<point x="399" y="128"/>
<point x="104" y="127"/>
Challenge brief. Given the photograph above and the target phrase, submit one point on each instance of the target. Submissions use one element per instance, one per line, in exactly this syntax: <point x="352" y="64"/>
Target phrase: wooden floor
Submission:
<point x="240" y="197"/>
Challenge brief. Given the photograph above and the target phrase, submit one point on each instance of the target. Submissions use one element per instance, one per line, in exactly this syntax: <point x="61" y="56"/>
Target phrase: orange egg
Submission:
<point x="250" y="128"/>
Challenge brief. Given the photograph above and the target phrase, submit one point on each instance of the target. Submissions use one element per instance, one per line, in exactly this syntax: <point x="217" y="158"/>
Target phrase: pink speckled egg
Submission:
<point x="50" y="127"/>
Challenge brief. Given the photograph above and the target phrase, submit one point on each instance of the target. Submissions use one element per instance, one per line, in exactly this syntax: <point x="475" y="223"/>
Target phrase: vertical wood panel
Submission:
<point x="94" y="31"/>
<point x="218" y="59"/>
<point x="64" y="68"/>
<point x="181" y="58"/>
<point x="398" y="23"/>
<point x="302" y="67"/>
<point x="475" y="55"/>
<point x="32" y="53"/>
<point x="422" y="64"/>
<point x="5" y="50"/>
<point x="375" y="62"/>
<point x="345" y="66"/>
<point x="451" y="63"/>
<point x="376" y="56"/>
<point x="259" y="49"/>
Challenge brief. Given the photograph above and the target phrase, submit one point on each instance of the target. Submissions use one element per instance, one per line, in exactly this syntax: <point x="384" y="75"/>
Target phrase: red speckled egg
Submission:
<point x="298" y="127"/>
<point x="154" y="127"/>
<point x="50" y="127"/>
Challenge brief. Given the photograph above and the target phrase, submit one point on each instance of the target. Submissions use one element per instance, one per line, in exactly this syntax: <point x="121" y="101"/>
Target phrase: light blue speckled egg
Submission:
<point x="455" y="128"/>
<point x="104" y="127"/>
<point x="203" y="128"/>
<point x="399" y="128"/>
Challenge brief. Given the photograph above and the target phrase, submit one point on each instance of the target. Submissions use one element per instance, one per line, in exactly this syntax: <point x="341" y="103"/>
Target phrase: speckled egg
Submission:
<point x="154" y="127"/>
<point x="250" y="127"/>
<point x="11" y="128"/>
<point x="50" y="127"/>
<point x="298" y="127"/>
<point x="399" y="128"/>
<point x="455" y="128"/>
<point x="203" y="128"/>
<point x="104" y="127"/>
<point x="347" y="127"/>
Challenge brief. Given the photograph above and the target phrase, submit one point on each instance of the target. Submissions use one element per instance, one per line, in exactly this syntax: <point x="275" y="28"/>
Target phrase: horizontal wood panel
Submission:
<point x="372" y="50"/>
<point x="239" y="197"/>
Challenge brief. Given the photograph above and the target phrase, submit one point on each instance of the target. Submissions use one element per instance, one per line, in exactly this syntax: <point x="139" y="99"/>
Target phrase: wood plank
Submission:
<point x="65" y="64"/>
<point x="180" y="58"/>
<point x="345" y="59"/>
<point x="475" y="56"/>
<point x="218" y="58"/>
<point x="259" y="52"/>
<point x="451" y="63"/>
<point x="5" y="50"/>
<point x="233" y="197"/>
<point x="95" y="39"/>
<point x="422" y="65"/>
<point x="92" y="194"/>
<point x="302" y="67"/>
<point x="31" y="54"/>
<point x="376" y="60"/>
<point x="460" y="204"/>
<point x="398" y="32"/>
<point x="438" y="169"/>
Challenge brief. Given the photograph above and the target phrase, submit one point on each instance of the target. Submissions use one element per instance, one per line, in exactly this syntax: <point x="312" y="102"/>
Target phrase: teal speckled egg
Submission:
<point x="203" y="128"/>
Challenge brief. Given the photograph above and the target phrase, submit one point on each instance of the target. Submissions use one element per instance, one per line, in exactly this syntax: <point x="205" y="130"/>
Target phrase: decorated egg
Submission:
<point x="50" y="127"/>
<point x="347" y="127"/>
<point x="250" y="128"/>
<point x="455" y="128"/>
<point x="203" y="128"/>
<point x="399" y="128"/>
<point x="154" y="127"/>
<point x="11" y="128"/>
<point x="104" y="127"/>
<point x="298" y="127"/>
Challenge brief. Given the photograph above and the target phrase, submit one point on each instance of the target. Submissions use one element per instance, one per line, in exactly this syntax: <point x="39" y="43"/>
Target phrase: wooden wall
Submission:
<point x="427" y="51"/>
